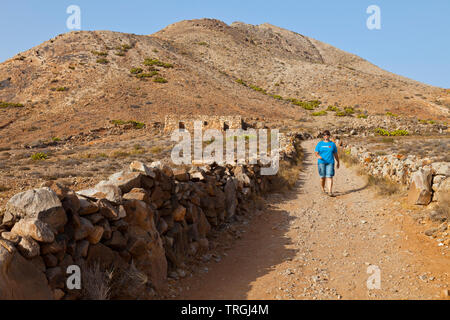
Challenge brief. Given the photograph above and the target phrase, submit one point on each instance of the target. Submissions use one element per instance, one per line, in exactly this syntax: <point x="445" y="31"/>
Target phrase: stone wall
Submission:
<point x="174" y="122"/>
<point x="427" y="181"/>
<point x="145" y="219"/>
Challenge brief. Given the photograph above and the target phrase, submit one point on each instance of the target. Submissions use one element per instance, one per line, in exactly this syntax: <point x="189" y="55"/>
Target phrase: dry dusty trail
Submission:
<point x="306" y="245"/>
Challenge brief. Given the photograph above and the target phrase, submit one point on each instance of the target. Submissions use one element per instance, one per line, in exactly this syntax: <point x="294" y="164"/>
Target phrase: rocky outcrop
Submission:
<point x="420" y="188"/>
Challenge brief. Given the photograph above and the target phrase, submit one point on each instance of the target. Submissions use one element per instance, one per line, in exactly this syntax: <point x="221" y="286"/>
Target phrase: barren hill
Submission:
<point x="83" y="80"/>
<point x="292" y="65"/>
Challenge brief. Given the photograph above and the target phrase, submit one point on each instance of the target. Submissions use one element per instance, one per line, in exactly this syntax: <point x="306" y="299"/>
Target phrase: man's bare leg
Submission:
<point x="331" y="185"/>
<point x="323" y="181"/>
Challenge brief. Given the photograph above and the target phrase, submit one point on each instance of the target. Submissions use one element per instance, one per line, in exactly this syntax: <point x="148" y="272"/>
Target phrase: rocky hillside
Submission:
<point x="288" y="64"/>
<point x="83" y="80"/>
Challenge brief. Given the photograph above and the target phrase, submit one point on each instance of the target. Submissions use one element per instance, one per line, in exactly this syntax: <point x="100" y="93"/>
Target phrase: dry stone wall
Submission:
<point x="145" y="218"/>
<point x="427" y="181"/>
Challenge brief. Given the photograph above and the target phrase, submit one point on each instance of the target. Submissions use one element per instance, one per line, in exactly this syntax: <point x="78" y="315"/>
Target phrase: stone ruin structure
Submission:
<point x="174" y="122"/>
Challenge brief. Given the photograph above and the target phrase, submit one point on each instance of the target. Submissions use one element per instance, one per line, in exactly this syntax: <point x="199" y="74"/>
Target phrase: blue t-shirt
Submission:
<point x="326" y="150"/>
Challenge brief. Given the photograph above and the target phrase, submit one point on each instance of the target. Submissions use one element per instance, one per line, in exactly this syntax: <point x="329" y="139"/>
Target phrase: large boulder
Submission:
<point x="442" y="195"/>
<point x="20" y="279"/>
<point x="42" y="204"/>
<point x="441" y="168"/>
<point x="103" y="190"/>
<point x="420" y="192"/>
<point x="137" y="166"/>
<point x="35" y="229"/>
<point x="126" y="181"/>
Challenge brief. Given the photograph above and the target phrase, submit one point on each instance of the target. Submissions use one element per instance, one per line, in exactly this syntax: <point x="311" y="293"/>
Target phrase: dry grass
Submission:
<point x="96" y="283"/>
<point x="289" y="171"/>
<point x="346" y="158"/>
<point x="383" y="186"/>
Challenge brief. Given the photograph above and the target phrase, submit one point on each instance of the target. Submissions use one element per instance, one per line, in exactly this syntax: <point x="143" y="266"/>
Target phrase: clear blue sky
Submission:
<point x="414" y="39"/>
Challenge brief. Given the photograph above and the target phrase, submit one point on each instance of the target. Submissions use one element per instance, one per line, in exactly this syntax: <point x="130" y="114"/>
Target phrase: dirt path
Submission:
<point x="310" y="246"/>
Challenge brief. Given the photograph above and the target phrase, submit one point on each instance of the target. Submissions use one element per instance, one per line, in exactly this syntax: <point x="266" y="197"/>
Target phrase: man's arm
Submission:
<point x="336" y="156"/>
<point x="317" y="152"/>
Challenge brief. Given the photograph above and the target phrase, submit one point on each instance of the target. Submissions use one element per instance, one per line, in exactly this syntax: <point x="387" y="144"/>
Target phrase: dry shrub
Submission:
<point x="130" y="283"/>
<point x="96" y="282"/>
<point x="289" y="171"/>
<point x="347" y="158"/>
<point x="383" y="186"/>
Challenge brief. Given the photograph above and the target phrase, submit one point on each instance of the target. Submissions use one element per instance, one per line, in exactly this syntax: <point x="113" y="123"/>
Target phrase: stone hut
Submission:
<point x="174" y="122"/>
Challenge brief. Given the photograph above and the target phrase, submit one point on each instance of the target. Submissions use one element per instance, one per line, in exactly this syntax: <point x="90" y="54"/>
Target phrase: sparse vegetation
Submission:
<point x="60" y="89"/>
<point x="383" y="186"/>
<point x="136" y="70"/>
<point x="97" y="282"/>
<point x="160" y="80"/>
<point x="395" y="133"/>
<point x="390" y="114"/>
<point x="156" y="62"/>
<point x="242" y="82"/>
<point x="39" y="156"/>
<point x="4" y="105"/>
<point x="146" y="75"/>
<point x="307" y="105"/>
<point x="362" y="116"/>
<point x="202" y="43"/>
<point x="320" y="113"/>
<point x="333" y="108"/>
<point x="156" y="149"/>
<point x="135" y="124"/>
<point x="102" y="61"/>
<point x="258" y="89"/>
<point x="276" y="96"/>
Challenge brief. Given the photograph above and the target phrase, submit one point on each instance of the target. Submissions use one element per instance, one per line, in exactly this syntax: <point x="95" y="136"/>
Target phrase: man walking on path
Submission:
<point x="326" y="151"/>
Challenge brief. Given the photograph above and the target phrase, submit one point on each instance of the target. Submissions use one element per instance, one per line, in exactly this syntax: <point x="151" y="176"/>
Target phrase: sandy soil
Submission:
<point x="306" y="245"/>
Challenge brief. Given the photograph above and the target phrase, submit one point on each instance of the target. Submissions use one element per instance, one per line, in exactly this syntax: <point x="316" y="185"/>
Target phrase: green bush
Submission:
<point x="395" y="133"/>
<point x="362" y="116"/>
<point x="278" y="97"/>
<point x="333" y="108"/>
<point x="390" y="114"/>
<point x="160" y="80"/>
<point x="146" y="75"/>
<point x="341" y="114"/>
<point x="56" y="139"/>
<point x="136" y="124"/>
<point x="202" y="43"/>
<point x="156" y="62"/>
<point x="258" y="89"/>
<point x="102" y="61"/>
<point x="39" y="156"/>
<point x="349" y="110"/>
<point x="4" y="105"/>
<point x="136" y="70"/>
<point x="120" y="53"/>
<point x="320" y="113"/>
<point x="307" y="105"/>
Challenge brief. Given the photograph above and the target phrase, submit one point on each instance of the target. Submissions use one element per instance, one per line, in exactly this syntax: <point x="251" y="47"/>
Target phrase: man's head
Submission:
<point x="326" y="135"/>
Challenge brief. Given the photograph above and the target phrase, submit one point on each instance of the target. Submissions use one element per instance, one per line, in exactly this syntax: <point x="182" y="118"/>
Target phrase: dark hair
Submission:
<point x="326" y="133"/>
